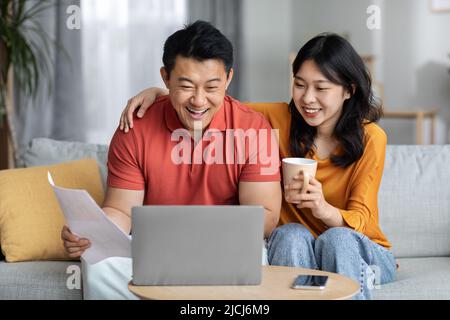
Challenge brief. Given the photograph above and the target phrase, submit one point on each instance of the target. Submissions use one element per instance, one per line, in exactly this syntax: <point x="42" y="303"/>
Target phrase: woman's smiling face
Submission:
<point x="318" y="100"/>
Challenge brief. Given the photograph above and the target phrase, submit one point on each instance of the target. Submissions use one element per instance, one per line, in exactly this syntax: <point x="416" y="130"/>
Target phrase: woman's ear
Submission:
<point x="349" y="93"/>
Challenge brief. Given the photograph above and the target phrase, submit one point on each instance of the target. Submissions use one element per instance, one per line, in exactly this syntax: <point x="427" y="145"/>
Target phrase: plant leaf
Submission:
<point x="28" y="46"/>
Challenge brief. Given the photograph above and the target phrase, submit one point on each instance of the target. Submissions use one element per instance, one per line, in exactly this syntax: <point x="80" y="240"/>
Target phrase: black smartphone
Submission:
<point x="310" y="282"/>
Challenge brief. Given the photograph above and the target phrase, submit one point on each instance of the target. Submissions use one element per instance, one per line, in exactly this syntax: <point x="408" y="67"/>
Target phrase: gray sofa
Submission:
<point x="414" y="203"/>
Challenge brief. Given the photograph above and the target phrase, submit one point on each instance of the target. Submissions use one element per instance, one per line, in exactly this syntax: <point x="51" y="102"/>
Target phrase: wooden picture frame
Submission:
<point x="439" y="5"/>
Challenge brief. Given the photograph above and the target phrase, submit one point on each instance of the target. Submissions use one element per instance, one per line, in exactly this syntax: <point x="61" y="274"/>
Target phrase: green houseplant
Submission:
<point x="24" y="57"/>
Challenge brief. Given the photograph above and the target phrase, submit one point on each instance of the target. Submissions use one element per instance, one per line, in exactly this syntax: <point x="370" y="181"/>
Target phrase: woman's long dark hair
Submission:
<point x="340" y="64"/>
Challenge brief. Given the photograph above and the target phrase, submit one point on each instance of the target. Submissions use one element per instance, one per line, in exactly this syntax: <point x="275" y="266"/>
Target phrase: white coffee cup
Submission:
<point x="294" y="166"/>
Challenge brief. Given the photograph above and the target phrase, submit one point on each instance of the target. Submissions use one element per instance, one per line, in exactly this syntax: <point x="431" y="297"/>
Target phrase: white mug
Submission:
<point x="294" y="166"/>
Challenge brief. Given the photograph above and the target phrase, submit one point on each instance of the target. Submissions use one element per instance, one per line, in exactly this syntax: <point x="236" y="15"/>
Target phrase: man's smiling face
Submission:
<point x="197" y="89"/>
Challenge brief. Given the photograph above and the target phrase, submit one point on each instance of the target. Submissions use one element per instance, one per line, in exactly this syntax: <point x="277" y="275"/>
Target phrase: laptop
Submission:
<point x="197" y="245"/>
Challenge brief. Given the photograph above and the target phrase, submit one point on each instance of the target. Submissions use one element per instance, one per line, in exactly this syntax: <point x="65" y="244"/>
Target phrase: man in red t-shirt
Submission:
<point x="196" y="146"/>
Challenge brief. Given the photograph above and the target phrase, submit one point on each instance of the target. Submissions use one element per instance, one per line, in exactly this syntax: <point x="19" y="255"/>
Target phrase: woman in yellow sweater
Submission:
<point x="334" y="226"/>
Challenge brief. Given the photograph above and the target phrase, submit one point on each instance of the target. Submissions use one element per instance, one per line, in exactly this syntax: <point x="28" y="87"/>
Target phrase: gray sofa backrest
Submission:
<point x="414" y="200"/>
<point x="42" y="152"/>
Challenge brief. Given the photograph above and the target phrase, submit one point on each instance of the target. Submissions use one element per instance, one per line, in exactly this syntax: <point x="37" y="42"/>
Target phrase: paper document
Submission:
<point x="87" y="220"/>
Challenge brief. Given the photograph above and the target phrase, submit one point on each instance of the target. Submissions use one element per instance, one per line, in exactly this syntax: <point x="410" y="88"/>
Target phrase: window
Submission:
<point x="122" y="47"/>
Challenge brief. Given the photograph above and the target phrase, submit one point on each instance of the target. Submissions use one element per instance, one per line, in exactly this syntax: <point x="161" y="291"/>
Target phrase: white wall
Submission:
<point x="345" y="17"/>
<point x="411" y="51"/>
<point x="416" y="45"/>
<point x="274" y="29"/>
<point x="266" y="45"/>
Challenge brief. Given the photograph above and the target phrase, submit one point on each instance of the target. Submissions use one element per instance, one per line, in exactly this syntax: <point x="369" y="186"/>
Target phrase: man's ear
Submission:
<point x="230" y="76"/>
<point x="165" y="76"/>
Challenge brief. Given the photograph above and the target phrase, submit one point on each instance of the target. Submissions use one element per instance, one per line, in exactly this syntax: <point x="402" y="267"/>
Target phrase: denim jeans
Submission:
<point x="341" y="250"/>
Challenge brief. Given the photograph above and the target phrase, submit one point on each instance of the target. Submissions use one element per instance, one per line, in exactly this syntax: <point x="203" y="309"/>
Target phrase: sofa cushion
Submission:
<point x="40" y="280"/>
<point x="43" y="151"/>
<point x="418" y="279"/>
<point x="414" y="200"/>
<point x="30" y="216"/>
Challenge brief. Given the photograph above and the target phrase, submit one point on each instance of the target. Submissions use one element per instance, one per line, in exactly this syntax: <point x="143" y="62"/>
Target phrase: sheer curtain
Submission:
<point x="116" y="53"/>
<point x="122" y="47"/>
<point x="57" y="111"/>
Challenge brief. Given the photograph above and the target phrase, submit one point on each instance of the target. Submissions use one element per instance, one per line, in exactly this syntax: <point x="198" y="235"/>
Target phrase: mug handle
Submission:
<point x="306" y="179"/>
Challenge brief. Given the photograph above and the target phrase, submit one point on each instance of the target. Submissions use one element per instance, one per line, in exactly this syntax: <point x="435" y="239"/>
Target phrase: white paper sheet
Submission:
<point x="87" y="220"/>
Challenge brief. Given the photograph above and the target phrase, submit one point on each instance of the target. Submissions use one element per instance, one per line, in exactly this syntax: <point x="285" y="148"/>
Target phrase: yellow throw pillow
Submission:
<point x="30" y="216"/>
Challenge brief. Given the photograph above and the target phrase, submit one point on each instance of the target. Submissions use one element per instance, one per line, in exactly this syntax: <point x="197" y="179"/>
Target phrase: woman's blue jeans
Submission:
<point x="341" y="250"/>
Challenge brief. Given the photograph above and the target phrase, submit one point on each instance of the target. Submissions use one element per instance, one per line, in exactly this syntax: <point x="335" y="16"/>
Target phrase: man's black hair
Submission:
<point x="201" y="41"/>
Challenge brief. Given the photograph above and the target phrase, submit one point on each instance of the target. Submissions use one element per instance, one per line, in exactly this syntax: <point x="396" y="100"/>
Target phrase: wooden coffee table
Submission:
<point x="276" y="285"/>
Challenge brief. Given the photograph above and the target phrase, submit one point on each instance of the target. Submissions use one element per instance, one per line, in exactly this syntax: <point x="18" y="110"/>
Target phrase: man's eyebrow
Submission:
<point x="185" y="79"/>
<point x="180" y="79"/>
<point x="300" y="78"/>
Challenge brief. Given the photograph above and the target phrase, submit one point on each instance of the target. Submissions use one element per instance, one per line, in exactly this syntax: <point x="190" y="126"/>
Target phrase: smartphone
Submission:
<point x="310" y="282"/>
